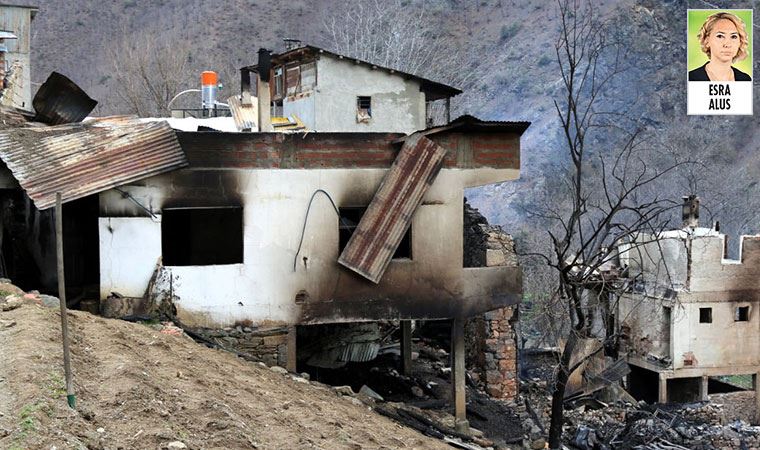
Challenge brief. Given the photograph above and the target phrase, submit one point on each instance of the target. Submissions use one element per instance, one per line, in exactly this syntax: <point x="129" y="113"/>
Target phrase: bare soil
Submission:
<point x="138" y="388"/>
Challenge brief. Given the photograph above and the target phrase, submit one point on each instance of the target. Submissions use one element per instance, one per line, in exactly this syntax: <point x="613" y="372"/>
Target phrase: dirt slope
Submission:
<point x="138" y="388"/>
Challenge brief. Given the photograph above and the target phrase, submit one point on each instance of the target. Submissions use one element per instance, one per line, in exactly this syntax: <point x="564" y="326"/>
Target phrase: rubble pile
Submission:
<point x="699" y="426"/>
<point x="12" y="297"/>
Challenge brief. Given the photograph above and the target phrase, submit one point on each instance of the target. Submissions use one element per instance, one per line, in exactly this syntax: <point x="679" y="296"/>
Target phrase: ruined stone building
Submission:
<point x="356" y="215"/>
<point x="693" y="314"/>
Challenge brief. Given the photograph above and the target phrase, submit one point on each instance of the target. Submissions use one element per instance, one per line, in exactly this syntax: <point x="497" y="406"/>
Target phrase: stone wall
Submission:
<point x="266" y="345"/>
<point x="491" y="338"/>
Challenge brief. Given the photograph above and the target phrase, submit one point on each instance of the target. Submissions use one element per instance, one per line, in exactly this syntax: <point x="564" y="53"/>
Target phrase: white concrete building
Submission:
<point x="331" y="92"/>
<point x="226" y="233"/>
<point x="693" y="315"/>
<point x="15" y="60"/>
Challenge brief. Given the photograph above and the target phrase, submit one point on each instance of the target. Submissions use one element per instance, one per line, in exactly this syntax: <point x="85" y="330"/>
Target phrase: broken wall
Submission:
<point x="711" y="271"/>
<point x="492" y="337"/>
<point x="646" y="325"/>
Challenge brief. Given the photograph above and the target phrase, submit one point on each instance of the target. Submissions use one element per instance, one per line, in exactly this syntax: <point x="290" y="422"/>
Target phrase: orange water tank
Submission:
<point x="209" y="77"/>
<point x="209" y="83"/>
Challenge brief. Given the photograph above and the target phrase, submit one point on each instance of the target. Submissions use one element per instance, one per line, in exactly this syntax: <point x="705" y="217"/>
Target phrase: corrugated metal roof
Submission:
<point x="389" y="215"/>
<point x="86" y="158"/>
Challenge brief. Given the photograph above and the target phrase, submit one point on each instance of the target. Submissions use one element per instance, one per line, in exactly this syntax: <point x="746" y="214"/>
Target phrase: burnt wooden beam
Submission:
<point x="406" y="347"/>
<point x="291" y="355"/>
<point x="458" y="375"/>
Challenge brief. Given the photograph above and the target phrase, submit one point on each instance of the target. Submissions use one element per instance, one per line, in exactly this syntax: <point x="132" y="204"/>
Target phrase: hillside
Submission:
<point x="138" y="388"/>
<point x="507" y="50"/>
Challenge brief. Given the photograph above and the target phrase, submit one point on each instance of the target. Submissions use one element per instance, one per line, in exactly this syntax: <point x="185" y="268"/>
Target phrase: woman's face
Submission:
<point x="723" y="41"/>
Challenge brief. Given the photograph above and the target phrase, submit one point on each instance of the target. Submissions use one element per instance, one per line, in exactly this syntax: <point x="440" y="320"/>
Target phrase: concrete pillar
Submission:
<point x="406" y="347"/>
<point x="265" y="105"/>
<point x="291" y="363"/>
<point x="458" y="375"/>
<point x="703" y="397"/>
<point x="662" y="392"/>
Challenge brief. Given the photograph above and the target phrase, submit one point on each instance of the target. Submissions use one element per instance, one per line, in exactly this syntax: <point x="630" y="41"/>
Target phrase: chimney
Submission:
<point x="262" y="88"/>
<point x="690" y="214"/>
<point x="245" y="86"/>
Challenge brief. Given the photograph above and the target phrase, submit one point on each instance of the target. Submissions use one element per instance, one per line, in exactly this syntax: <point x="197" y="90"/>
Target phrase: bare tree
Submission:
<point x="405" y="36"/>
<point x="608" y="202"/>
<point x="149" y="69"/>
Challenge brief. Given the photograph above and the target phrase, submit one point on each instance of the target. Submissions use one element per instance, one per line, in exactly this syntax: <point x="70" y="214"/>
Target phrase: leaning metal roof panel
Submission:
<point x="81" y="159"/>
<point x="388" y="216"/>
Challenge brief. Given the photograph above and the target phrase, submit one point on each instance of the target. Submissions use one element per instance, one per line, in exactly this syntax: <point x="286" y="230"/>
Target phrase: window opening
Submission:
<point x="741" y="314"/>
<point x="293" y="80"/>
<point x="349" y="220"/>
<point x="363" y="109"/>
<point x="278" y="83"/>
<point x="202" y="236"/>
<point x="705" y="315"/>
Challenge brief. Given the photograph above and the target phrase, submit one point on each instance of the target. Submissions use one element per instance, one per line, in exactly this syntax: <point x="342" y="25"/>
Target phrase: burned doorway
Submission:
<point x="81" y="249"/>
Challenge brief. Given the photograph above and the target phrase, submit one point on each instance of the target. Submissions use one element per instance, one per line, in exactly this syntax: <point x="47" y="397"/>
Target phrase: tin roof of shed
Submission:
<point x="81" y="159"/>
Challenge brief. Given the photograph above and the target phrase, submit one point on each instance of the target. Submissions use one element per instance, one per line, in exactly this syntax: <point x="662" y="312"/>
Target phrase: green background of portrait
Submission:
<point x="696" y="18"/>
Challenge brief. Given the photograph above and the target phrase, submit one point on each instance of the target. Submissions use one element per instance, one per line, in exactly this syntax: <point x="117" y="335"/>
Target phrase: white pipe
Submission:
<point x="169" y="106"/>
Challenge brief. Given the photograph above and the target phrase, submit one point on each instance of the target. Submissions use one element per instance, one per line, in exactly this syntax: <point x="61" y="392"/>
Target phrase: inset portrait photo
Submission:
<point x="719" y="61"/>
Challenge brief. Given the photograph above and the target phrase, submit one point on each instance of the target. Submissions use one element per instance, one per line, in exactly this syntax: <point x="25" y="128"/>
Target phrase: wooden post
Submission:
<point x="703" y="391"/>
<point x="406" y="347"/>
<point x="458" y="375"/>
<point x="448" y="110"/>
<point x="756" y="384"/>
<point x="662" y="392"/>
<point x="70" y="397"/>
<point x="292" y="362"/>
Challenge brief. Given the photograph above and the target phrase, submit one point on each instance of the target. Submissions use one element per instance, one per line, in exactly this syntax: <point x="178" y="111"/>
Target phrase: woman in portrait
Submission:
<point x="723" y="38"/>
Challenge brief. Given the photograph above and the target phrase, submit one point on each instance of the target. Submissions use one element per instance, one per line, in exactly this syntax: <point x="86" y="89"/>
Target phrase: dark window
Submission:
<point x="363" y="109"/>
<point x="741" y="314"/>
<point x="349" y="219"/>
<point x="705" y="315"/>
<point x="202" y="236"/>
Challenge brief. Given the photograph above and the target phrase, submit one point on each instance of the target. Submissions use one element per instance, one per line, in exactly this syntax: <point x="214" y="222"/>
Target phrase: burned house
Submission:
<point x="692" y="315"/>
<point x="279" y="230"/>
<point x="15" y="61"/>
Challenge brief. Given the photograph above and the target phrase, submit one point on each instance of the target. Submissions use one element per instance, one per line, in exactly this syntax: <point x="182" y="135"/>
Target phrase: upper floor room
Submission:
<point x="329" y="92"/>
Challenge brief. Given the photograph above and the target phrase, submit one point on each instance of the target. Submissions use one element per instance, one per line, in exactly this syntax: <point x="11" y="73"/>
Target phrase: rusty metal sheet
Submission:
<point x="78" y="160"/>
<point x="59" y="100"/>
<point x="389" y="215"/>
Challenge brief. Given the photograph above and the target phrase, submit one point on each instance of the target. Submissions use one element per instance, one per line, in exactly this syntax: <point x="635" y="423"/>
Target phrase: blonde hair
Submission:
<point x="707" y="27"/>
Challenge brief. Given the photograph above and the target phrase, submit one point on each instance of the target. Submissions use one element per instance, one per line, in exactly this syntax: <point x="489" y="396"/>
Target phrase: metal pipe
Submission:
<point x="169" y="106"/>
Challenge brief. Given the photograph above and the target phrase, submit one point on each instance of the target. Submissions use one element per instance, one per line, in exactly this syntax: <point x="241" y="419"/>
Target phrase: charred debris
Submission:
<point x="325" y="232"/>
